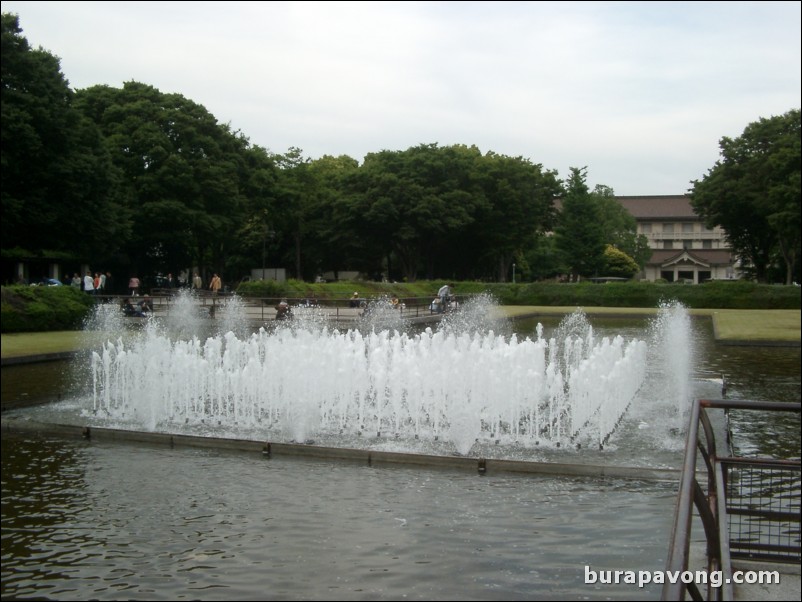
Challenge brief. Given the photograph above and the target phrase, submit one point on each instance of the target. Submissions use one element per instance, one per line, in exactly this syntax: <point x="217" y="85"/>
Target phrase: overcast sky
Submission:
<point x="639" y="92"/>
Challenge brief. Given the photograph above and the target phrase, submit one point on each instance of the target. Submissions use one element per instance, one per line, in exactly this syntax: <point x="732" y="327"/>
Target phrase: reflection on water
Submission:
<point x="36" y="383"/>
<point x="83" y="521"/>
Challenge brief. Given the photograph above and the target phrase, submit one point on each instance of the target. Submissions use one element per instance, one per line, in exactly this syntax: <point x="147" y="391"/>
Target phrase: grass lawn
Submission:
<point x="34" y="343"/>
<point x="757" y="324"/>
<point x="743" y="325"/>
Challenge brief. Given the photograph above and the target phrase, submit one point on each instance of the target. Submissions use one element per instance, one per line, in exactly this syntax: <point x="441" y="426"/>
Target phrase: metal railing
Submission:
<point x="263" y="308"/>
<point x="751" y="508"/>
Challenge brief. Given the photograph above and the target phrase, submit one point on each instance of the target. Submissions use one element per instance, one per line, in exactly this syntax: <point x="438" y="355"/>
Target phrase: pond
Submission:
<point x="85" y="520"/>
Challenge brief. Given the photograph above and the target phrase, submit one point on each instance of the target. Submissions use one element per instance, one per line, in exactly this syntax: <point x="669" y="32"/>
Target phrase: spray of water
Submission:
<point x="462" y="383"/>
<point x="671" y="340"/>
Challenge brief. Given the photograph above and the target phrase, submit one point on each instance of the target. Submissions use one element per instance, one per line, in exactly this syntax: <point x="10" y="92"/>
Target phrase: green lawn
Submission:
<point x="34" y="343"/>
<point x="782" y="325"/>
<point x="747" y="325"/>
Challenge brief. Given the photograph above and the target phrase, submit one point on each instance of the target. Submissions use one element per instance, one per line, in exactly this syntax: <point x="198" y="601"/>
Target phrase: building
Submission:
<point x="683" y="249"/>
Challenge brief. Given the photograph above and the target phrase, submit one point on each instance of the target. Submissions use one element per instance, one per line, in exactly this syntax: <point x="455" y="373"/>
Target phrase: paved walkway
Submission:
<point x="789" y="587"/>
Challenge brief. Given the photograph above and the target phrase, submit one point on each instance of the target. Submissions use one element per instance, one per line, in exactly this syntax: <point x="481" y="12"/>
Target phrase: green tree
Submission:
<point x="619" y="227"/>
<point x="59" y="196"/>
<point x="753" y="192"/>
<point x="253" y="244"/>
<point x="520" y="206"/>
<point x="185" y="175"/>
<point x="296" y="196"/>
<point x="579" y="237"/>
<point x="544" y="259"/>
<point x="333" y="244"/>
<point x="413" y="204"/>
<point x="619" y="264"/>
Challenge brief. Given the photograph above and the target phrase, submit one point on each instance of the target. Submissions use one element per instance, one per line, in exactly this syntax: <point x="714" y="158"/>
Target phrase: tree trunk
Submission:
<point x="298" y="273"/>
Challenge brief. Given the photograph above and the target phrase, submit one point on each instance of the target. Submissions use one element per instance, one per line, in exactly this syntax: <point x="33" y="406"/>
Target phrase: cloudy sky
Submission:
<point x="639" y="92"/>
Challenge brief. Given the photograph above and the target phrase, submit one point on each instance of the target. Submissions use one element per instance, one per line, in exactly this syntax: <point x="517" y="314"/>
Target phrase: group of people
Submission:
<point x="138" y="310"/>
<point x="98" y="283"/>
<point x="102" y="283"/>
<point x="215" y="284"/>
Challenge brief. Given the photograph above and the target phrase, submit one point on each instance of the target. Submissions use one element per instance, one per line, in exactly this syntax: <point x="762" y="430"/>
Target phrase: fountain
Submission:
<point x="461" y="389"/>
<point x="243" y="524"/>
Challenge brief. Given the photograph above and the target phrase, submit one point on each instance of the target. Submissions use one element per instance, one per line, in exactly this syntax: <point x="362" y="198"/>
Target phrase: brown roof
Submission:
<point x="667" y="207"/>
<point x="672" y="207"/>
<point x="708" y="256"/>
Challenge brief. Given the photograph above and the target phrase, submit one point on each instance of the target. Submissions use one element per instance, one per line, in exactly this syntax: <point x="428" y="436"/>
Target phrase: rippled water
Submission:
<point x="83" y="521"/>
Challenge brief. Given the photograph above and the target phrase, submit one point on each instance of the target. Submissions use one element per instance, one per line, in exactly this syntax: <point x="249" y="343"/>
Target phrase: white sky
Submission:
<point x="639" y="92"/>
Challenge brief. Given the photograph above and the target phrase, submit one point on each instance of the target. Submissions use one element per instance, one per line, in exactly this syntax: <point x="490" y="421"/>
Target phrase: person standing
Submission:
<point x="445" y="297"/>
<point x="89" y="283"/>
<point x="133" y="284"/>
<point x="215" y="285"/>
<point x="283" y="310"/>
<point x="197" y="283"/>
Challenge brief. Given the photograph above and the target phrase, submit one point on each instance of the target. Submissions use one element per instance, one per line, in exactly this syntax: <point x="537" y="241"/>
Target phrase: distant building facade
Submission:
<point x="683" y="249"/>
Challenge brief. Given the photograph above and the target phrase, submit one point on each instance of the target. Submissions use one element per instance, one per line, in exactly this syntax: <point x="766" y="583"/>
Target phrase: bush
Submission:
<point x="43" y="308"/>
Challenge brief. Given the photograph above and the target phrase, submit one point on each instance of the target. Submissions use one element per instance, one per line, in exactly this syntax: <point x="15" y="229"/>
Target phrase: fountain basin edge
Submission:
<point x="269" y="449"/>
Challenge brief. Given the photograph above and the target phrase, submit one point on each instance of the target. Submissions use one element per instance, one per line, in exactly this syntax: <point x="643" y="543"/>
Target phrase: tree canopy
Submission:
<point x="188" y="181"/>
<point x="579" y="238"/>
<point x="57" y="176"/>
<point x="753" y="192"/>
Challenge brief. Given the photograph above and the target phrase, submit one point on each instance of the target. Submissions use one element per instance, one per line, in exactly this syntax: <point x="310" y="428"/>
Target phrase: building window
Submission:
<point x="685" y="276"/>
<point x="668" y="228"/>
<point x="707" y="244"/>
<point x="705" y="275"/>
<point x="667" y="275"/>
<point x="668" y="244"/>
<point x="646" y="228"/>
<point x="687" y="228"/>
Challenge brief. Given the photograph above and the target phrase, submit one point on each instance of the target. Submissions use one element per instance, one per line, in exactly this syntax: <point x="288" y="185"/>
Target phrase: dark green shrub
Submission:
<point x="43" y="308"/>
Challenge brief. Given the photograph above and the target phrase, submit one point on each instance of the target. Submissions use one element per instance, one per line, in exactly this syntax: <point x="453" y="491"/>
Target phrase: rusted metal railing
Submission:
<point x="756" y="518"/>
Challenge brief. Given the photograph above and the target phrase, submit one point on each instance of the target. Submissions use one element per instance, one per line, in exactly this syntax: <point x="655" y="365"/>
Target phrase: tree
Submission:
<point x="579" y="237"/>
<point x="753" y="193"/>
<point x="412" y="205"/>
<point x="520" y="198"/>
<point x="619" y="227"/>
<point x="254" y="239"/>
<point x="619" y="264"/>
<point x="333" y="244"/>
<point x="185" y="175"/>
<point x="58" y="183"/>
